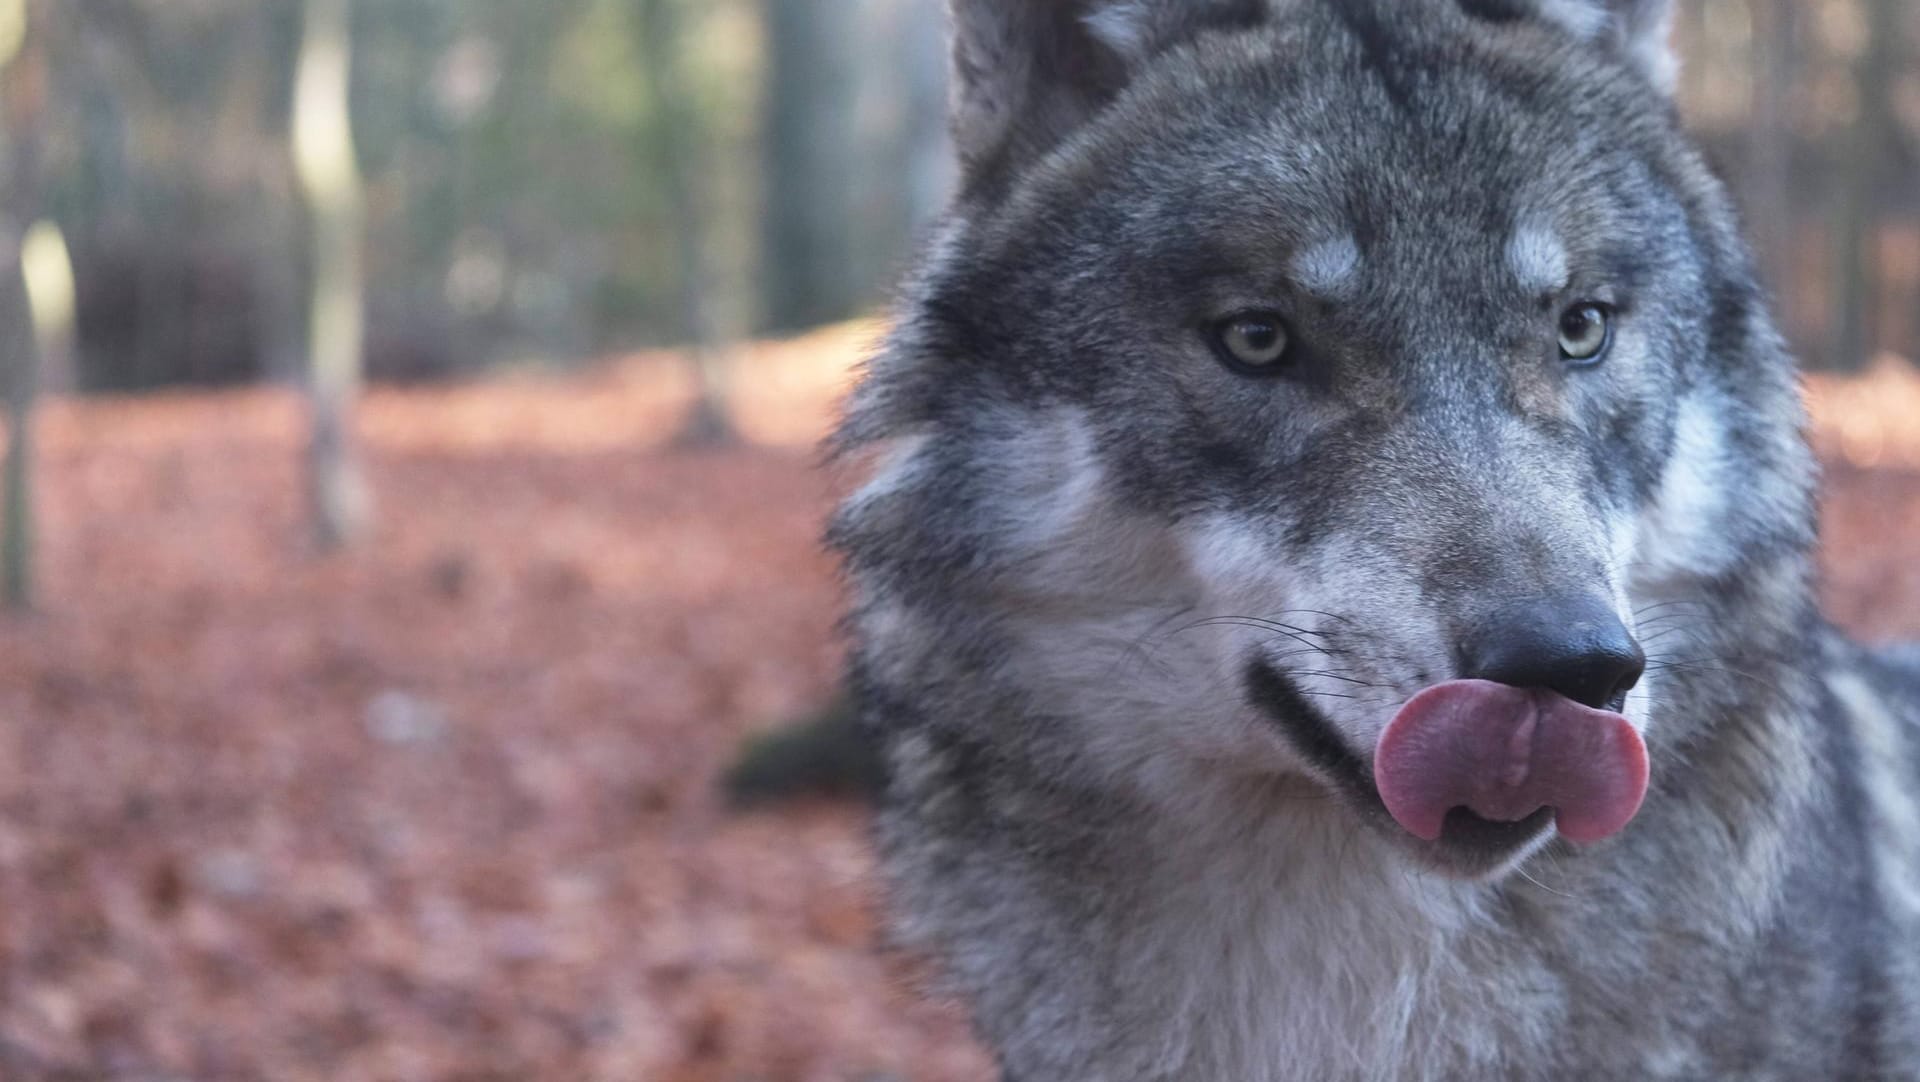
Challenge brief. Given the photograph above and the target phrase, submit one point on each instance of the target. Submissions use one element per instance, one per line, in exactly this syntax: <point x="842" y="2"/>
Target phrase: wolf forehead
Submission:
<point x="1410" y="184"/>
<point x="1346" y="137"/>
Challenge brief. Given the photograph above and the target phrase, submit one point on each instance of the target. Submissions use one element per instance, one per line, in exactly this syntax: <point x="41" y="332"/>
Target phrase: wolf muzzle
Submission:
<point x="1504" y="753"/>
<point x="1534" y="726"/>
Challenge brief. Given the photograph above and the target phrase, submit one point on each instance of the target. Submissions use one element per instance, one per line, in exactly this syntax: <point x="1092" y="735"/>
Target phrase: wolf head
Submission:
<point x="1362" y="391"/>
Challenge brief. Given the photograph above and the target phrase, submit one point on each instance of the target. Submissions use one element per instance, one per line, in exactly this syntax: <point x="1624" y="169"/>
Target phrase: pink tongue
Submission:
<point x="1504" y="753"/>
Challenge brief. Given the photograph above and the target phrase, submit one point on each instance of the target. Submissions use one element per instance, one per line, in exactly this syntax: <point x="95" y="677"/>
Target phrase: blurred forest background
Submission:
<point x="410" y="508"/>
<point x="541" y="182"/>
<point x="551" y="182"/>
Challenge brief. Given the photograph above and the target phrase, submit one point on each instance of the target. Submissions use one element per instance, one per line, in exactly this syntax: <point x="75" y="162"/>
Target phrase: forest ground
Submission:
<point x="443" y="809"/>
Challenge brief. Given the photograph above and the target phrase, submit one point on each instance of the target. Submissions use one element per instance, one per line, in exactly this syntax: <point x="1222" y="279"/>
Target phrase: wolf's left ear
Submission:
<point x="1026" y="73"/>
<point x="1642" y="30"/>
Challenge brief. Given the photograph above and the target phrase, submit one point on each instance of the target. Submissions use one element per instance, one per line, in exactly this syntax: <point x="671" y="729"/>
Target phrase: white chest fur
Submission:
<point x="1303" y="951"/>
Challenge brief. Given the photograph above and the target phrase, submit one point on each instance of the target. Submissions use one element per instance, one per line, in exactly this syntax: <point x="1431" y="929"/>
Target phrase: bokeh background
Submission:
<point x="410" y="509"/>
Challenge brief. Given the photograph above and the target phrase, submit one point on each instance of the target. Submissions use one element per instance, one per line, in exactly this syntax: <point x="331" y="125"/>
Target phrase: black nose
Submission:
<point x="1572" y="645"/>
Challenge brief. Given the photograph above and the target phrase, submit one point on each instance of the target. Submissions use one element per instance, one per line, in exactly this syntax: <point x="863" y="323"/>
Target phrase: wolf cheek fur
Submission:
<point x="1131" y="613"/>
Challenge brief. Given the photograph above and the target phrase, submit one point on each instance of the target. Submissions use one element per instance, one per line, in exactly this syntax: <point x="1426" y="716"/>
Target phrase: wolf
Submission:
<point x="1333" y="581"/>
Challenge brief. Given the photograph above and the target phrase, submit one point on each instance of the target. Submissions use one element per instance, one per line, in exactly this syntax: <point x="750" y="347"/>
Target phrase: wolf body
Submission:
<point x="1138" y="601"/>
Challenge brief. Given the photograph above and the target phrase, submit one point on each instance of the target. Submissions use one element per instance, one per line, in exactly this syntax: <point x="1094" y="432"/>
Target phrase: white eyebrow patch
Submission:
<point x="1585" y="19"/>
<point x="1125" y="27"/>
<point x="1329" y="268"/>
<point x="1538" y="258"/>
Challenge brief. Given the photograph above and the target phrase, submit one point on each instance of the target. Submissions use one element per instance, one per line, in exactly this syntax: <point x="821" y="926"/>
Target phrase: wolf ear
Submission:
<point x="1642" y="30"/>
<point x="1026" y="73"/>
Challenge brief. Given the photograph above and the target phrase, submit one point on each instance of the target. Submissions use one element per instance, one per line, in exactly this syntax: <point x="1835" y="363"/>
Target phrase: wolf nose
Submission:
<point x="1574" y="646"/>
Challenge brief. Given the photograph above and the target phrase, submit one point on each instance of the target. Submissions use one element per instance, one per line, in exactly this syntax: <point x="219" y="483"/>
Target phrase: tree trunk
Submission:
<point x="930" y="155"/>
<point x="46" y="270"/>
<point x="677" y="141"/>
<point x="330" y="180"/>
<point x="24" y="92"/>
<point x="23" y="376"/>
<point x="1770" y="208"/>
<point x="810" y="260"/>
<point x="1875" y="128"/>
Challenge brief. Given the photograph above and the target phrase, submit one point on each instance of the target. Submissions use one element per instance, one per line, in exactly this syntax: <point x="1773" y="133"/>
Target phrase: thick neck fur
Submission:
<point x="1302" y="948"/>
<point x="1117" y="912"/>
<point x="1250" y="931"/>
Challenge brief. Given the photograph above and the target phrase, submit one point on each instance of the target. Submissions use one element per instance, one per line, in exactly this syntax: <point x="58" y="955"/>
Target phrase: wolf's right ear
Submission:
<point x="1026" y="73"/>
<point x="1640" y="30"/>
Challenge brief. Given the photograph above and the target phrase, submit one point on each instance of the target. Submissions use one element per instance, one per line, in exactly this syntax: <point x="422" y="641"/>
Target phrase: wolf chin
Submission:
<point x="1334" y="588"/>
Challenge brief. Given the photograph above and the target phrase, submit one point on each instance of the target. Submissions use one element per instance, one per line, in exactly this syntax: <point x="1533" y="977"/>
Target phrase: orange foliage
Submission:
<point x="443" y="809"/>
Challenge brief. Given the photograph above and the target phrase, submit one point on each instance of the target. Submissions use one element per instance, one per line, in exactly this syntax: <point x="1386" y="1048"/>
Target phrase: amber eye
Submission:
<point x="1586" y="332"/>
<point x="1252" y="342"/>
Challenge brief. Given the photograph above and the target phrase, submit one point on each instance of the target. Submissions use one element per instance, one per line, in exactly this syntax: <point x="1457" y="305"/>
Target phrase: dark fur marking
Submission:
<point x="1497" y="11"/>
<point x="1727" y="326"/>
<point x="1380" y="48"/>
<point x="1311" y="734"/>
<point x="1243" y="15"/>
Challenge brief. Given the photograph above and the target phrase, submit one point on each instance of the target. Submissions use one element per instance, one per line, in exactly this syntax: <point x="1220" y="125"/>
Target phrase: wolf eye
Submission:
<point x="1586" y="330"/>
<point x="1252" y="342"/>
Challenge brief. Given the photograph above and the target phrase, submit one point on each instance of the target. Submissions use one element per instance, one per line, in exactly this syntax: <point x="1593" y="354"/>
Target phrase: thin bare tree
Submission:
<point x="329" y="174"/>
<point x="23" y="93"/>
<point x="1769" y="137"/>
<point x="678" y="144"/>
<point x="810" y="229"/>
<point x="1858" y="214"/>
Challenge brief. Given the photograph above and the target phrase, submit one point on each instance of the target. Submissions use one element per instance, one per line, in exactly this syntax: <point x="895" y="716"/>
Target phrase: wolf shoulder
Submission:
<point x="1899" y="663"/>
<point x="1872" y="693"/>
<point x="1879" y="686"/>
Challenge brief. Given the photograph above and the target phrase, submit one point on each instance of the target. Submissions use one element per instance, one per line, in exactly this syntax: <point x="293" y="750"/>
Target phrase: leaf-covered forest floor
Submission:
<point x="444" y="809"/>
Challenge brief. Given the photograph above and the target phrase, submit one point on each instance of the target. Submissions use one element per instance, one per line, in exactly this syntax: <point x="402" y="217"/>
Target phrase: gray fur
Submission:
<point x="1085" y="537"/>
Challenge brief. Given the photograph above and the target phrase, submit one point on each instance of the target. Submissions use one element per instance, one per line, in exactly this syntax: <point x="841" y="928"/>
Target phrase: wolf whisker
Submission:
<point x="1704" y="667"/>
<point x="1327" y="674"/>
<point x="1251" y="623"/>
<point x="1528" y="876"/>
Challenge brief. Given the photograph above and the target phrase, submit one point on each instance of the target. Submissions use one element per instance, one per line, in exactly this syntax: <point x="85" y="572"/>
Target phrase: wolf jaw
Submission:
<point x="1086" y="535"/>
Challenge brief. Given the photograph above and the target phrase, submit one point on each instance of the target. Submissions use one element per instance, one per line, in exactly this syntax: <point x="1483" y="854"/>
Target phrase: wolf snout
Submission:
<point x="1573" y="646"/>
<point x="1534" y="725"/>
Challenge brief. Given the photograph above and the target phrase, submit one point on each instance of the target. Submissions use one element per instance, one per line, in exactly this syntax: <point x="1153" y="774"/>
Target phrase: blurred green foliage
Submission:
<point x="539" y="188"/>
<point x="518" y="203"/>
